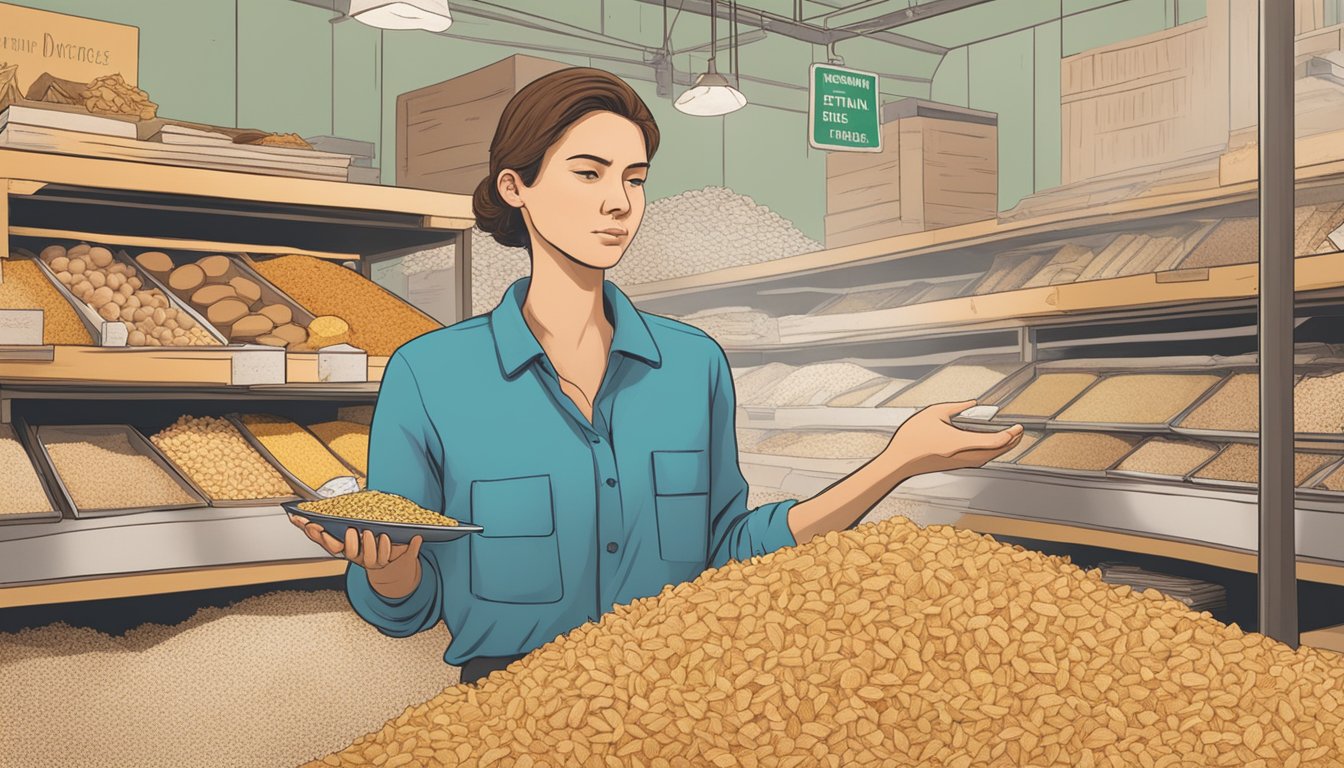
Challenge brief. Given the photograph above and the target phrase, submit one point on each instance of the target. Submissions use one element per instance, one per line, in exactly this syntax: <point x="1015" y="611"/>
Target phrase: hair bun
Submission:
<point x="497" y="218"/>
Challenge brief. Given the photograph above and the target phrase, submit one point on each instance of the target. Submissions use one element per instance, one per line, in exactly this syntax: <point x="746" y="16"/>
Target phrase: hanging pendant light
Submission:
<point x="429" y="15"/>
<point x="712" y="94"/>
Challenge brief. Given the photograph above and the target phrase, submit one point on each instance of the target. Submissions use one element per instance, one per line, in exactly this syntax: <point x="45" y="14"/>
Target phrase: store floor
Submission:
<point x="274" y="680"/>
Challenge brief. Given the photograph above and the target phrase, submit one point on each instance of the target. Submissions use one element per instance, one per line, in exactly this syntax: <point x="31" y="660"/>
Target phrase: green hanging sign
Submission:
<point x="842" y="110"/>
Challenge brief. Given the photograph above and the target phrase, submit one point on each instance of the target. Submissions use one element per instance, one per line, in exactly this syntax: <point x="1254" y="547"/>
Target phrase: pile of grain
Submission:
<point x="817" y="384"/>
<point x="1138" y="398"/>
<point x="494" y="268"/>
<point x="697" y="231"/>
<point x="348" y="440"/>
<point x="21" y="490"/>
<point x="702" y="230"/>
<point x="219" y="459"/>
<point x="1233" y="407"/>
<point x="231" y="687"/>
<point x="1319" y="404"/>
<point x="1240" y="463"/>
<point x="379" y="507"/>
<point x="1163" y="456"/>
<point x="825" y="445"/>
<point x="117" y="293"/>
<point x="104" y="471"/>
<point x="888" y="645"/>
<point x="1047" y="393"/>
<point x="25" y="287"/>
<point x="1086" y="451"/>
<point x="296" y="449"/>
<point x="379" y="321"/>
<point x="953" y="383"/>
<point x="433" y="259"/>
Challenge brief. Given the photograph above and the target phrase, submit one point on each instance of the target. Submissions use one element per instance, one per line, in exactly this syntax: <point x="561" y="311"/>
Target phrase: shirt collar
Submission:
<point x="517" y="347"/>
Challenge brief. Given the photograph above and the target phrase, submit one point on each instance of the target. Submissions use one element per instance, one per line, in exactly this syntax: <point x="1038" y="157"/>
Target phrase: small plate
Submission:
<point x="399" y="533"/>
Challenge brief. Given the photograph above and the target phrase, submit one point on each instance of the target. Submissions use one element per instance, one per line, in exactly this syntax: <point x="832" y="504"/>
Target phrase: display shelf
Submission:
<point x="152" y="202"/>
<point x="1212" y="526"/>
<point x="792" y="285"/>
<point x="153" y="552"/>
<point x="1216" y="288"/>
<point x="175" y="244"/>
<point x="144" y="206"/>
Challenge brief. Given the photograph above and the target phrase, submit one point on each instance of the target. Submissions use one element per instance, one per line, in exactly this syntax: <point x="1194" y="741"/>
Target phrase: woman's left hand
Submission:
<point x="929" y="442"/>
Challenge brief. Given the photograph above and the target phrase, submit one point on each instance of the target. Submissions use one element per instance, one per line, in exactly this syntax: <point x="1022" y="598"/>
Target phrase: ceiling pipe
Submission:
<point x="809" y="33"/>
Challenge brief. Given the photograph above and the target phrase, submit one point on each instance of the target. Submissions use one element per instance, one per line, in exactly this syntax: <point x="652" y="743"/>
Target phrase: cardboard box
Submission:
<point x="938" y="168"/>
<point x="444" y="130"/>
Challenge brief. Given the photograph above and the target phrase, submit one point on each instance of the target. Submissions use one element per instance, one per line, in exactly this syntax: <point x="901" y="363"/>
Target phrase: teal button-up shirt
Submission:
<point x="578" y="516"/>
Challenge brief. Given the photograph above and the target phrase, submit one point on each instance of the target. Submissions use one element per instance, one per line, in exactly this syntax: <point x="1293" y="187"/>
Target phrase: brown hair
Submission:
<point x="533" y="121"/>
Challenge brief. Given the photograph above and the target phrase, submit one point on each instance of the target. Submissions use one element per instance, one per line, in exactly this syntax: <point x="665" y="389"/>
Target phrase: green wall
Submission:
<point x="282" y="65"/>
<point x="1017" y="75"/>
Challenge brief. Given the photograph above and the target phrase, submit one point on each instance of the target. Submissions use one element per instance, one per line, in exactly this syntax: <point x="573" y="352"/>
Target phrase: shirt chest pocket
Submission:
<point x="681" y="500"/>
<point x="517" y="558"/>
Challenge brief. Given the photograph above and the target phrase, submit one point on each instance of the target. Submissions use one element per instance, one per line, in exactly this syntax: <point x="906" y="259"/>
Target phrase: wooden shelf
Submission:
<point x="30" y="168"/>
<point x="855" y="266"/>
<point x="226" y="371"/>
<point x="176" y="244"/>
<point x="1069" y="303"/>
<point x="143" y="204"/>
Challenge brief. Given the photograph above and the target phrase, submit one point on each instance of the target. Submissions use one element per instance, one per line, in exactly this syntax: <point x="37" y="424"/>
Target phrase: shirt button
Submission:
<point x="612" y="547"/>
<point x="611" y="482"/>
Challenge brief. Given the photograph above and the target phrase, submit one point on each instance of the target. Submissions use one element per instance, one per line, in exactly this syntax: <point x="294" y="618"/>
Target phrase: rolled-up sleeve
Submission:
<point x="736" y="531"/>
<point x="405" y="458"/>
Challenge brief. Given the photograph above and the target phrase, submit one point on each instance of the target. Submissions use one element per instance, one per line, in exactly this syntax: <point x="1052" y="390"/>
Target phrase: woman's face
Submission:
<point x="588" y="199"/>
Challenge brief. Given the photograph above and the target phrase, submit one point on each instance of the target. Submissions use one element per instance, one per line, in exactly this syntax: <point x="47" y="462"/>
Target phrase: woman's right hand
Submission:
<point x="393" y="569"/>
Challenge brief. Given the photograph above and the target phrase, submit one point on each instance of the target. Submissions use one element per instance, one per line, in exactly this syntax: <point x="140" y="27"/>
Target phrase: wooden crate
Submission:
<point x="938" y="167"/>
<point x="444" y="130"/>
<point x="1142" y="102"/>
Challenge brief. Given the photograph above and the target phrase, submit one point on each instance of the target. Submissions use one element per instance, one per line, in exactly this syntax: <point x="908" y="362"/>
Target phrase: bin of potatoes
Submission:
<point x="118" y="292"/>
<point x="884" y="645"/>
<point x="234" y="300"/>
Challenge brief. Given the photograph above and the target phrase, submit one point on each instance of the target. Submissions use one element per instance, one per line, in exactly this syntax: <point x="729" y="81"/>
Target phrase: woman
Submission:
<point x="593" y="442"/>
